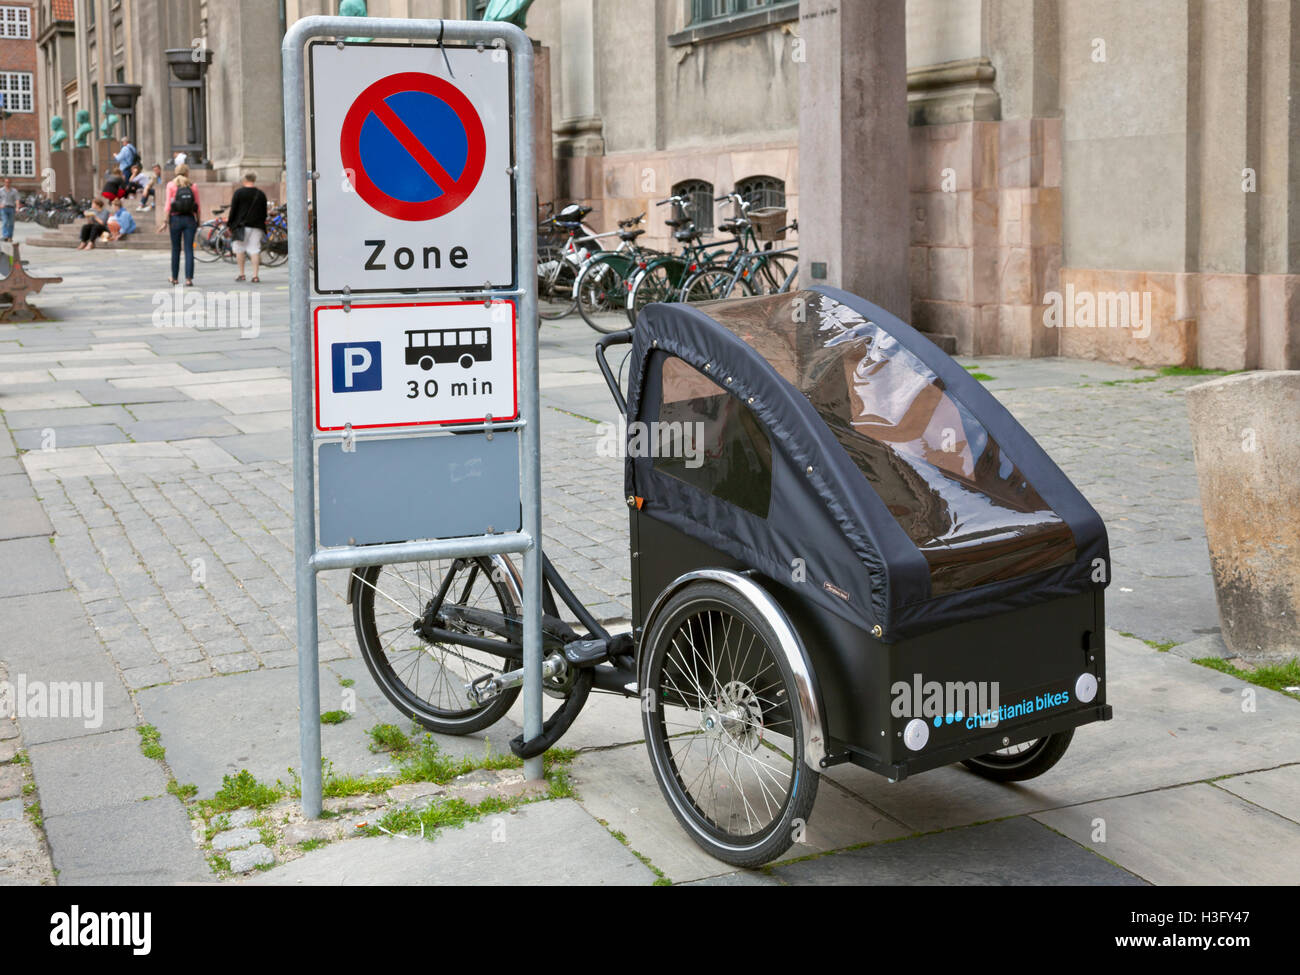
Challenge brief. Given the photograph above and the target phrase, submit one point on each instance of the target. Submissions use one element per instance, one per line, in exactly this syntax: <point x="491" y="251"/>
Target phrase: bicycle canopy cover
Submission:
<point x="843" y="454"/>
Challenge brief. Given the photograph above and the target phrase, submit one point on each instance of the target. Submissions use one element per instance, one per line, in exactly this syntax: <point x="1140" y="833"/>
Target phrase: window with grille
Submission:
<point x="17" y="157"/>
<point x="700" y="195"/>
<point x="708" y="11"/>
<point x="762" y="191"/>
<point x="16" y="87"/>
<point x="15" y="22"/>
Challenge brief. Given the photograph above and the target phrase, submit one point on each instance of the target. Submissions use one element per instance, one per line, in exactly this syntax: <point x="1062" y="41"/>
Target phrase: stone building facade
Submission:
<point x="1087" y="178"/>
<point x="22" y="155"/>
<point x="1078" y="151"/>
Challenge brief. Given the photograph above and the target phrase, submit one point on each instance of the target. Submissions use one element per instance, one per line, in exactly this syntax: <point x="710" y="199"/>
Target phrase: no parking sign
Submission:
<point x="411" y="148"/>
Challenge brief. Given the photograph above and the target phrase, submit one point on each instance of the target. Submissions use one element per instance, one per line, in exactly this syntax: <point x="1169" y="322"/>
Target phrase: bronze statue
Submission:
<point x="84" y="128"/>
<point x="58" y="134"/>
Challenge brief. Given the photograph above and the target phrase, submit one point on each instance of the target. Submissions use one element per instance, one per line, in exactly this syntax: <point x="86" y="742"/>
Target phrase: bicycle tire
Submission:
<point x="600" y="288"/>
<point x="702" y="694"/>
<point x="394" y="679"/>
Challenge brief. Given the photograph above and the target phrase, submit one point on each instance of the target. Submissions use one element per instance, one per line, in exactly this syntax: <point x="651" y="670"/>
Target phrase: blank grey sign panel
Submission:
<point x="464" y="484"/>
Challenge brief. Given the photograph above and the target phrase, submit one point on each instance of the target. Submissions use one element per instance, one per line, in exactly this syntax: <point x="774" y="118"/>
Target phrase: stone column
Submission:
<point x="245" y="129"/>
<point x="578" y="138"/>
<point x="853" y="150"/>
<point x="1247" y="456"/>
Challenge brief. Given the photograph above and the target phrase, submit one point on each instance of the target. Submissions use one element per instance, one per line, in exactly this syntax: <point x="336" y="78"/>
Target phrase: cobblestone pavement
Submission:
<point x="24" y="856"/>
<point x="160" y="457"/>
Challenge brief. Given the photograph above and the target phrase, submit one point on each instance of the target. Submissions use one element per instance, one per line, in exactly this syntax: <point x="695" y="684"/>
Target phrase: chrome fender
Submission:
<point x="791" y="647"/>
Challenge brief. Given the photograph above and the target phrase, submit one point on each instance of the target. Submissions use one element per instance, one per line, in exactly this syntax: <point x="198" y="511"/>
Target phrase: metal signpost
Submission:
<point x="423" y="281"/>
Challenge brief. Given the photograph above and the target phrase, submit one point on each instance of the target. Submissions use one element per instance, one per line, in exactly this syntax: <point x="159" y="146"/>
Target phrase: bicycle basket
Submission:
<point x="769" y="223"/>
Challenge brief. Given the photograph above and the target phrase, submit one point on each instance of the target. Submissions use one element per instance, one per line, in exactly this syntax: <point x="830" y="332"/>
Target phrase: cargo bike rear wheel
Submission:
<point x="1027" y="760"/>
<point x="720" y="712"/>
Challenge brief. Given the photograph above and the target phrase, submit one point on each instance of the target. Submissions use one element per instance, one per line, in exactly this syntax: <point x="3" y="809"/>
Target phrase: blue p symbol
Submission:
<point x="356" y="367"/>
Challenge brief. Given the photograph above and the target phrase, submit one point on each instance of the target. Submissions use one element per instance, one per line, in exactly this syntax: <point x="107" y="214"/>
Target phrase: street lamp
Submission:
<point x="188" y="66"/>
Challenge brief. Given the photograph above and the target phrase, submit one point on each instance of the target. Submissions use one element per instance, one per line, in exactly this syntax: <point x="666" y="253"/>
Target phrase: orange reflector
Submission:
<point x="639" y="502"/>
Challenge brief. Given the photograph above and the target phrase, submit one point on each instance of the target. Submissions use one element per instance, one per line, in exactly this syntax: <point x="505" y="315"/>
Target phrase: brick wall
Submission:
<point x="20" y="55"/>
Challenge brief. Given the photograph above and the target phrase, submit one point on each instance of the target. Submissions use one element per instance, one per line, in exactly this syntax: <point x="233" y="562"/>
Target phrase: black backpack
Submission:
<point x="183" y="202"/>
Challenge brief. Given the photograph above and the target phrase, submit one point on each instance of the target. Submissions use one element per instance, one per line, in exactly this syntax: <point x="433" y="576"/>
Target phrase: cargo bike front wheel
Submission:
<point x="719" y="708"/>
<point x="426" y="681"/>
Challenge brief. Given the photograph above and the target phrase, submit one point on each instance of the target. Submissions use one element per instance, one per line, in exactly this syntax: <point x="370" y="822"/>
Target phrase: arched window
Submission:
<point x="700" y="195"/>
<point x="762" y="191"/>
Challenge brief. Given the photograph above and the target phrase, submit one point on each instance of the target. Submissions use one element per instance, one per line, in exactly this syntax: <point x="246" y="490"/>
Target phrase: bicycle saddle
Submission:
<point x="732" y="226"/>
<point x="676" y="223"/>
<point x="687" y="233"/>
<point x="573" y="211"/>
<point x="630" y="234"/>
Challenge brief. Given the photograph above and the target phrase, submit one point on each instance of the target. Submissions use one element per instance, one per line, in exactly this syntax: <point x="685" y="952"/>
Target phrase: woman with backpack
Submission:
<point x="181" y="217"/>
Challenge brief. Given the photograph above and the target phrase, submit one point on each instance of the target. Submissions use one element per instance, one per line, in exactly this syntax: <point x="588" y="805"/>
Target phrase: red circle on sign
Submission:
<point x="454" y="191"/>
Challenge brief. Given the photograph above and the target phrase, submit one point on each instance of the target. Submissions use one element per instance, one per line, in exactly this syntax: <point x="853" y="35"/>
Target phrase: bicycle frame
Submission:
<point x="614" y="676"/>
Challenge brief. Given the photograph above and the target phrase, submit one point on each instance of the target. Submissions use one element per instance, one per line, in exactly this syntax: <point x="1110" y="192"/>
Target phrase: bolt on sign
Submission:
<point x="411" y="149"/>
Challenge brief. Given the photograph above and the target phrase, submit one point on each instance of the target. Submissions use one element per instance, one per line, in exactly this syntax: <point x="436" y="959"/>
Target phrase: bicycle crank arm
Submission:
<point x="483" y="689"/>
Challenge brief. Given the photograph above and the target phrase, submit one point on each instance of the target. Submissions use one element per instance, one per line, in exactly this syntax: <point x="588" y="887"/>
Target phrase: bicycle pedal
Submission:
<point x="585" y="653"/>
<point x="483" y="689"/>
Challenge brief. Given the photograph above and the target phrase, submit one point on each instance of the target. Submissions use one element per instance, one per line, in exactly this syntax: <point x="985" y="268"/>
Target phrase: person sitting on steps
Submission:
<point x="96" y="223"/>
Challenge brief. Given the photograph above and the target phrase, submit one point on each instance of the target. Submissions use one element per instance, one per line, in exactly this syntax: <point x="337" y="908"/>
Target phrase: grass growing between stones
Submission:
<point x="456" y="812"/>
<point x="661" y="879"/>
<point x="1276" y="677"/>
<point x="1164" y="647"/>
<point x="334" y="717"/>
<point x="416" y="762"/>
<point x="240" y="790"/>
<point x="151" y="742"/>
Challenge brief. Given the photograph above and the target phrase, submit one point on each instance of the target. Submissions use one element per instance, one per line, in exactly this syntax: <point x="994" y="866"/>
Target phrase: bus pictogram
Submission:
<point x="467" y="346"/>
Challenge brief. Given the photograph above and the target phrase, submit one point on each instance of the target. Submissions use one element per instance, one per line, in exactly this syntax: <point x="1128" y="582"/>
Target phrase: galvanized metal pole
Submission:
<point x="292" y="57"/>
<point x="531" y="447"/>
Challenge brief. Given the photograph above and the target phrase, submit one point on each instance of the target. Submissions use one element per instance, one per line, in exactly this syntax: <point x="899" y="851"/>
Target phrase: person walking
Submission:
<point x="181" y="217"/>
<point x="8" y="207"/>
<point x="247" y="218"/>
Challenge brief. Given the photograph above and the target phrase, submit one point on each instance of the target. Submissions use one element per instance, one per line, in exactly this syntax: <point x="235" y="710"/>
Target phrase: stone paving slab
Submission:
<point x="1277" y="790"/>
<point x="15" y="485"/>
<point x="69" y="435"/>
<point x="57" y="646"/>
<point x="1197" y="834"/>
<point x="1012" y="853"/>
<point x="1175" y="722"/>
<point x="77" y="416"/>
<point x="40" y="569"/>
<point x="23" y="518"/>
<point x="145" y="843"/>
<point x="543" y="844"/>
<point x="95" y="771"/>
<point x="216" y="727"/>
<point x="617" y="785"/>
<point x="23" y="859"/>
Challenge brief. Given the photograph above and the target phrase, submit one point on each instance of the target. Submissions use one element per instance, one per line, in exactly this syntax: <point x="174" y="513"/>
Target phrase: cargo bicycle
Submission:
<point x="857" y="523"/>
